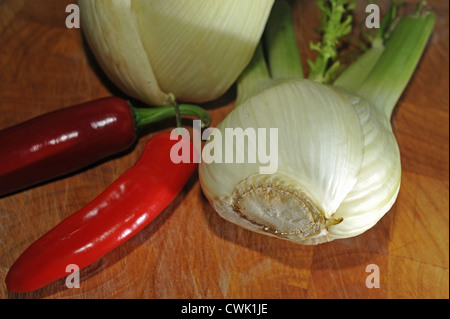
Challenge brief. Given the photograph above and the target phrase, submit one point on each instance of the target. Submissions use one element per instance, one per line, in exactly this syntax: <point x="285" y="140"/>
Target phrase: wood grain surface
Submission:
<point x="189" y="251"/>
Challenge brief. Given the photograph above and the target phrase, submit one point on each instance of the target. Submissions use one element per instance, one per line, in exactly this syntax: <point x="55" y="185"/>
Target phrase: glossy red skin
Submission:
<point x="117" y="214"/>
<point x="63" y="141"/>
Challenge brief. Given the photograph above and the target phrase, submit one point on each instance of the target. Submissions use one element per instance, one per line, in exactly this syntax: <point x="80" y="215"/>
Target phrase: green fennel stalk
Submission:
<point x="380" y="74"/>
<point x="391" y="73"/>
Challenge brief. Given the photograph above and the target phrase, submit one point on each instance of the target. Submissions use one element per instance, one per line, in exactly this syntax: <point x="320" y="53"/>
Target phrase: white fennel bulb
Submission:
<point x="158" y="50"/>
<point x="338" y="165"/>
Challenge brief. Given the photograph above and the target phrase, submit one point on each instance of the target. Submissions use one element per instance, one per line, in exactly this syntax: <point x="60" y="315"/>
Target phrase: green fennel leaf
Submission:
<point x="336" y="23"/>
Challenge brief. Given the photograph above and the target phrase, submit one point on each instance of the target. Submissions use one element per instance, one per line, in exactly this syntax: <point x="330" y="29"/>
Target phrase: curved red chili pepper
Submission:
<point x="122" y="210"/>
<point x="66" y="140"/>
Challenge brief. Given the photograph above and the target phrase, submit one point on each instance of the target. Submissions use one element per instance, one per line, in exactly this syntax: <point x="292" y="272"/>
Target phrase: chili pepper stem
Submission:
<point x="177" y="113"/>
<point x="145" y="116"/>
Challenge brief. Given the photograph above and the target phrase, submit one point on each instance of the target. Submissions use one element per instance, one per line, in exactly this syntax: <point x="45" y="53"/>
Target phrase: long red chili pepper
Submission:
<point x="66" y="140"/>
<point x="122" y="210"/>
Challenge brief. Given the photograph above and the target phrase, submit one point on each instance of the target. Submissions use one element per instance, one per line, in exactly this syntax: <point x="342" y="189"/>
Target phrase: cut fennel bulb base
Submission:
<point x="277" y="206"/>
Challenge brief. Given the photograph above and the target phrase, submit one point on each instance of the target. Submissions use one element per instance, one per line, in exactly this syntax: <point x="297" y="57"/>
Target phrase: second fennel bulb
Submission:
<point x="190" y="50"/>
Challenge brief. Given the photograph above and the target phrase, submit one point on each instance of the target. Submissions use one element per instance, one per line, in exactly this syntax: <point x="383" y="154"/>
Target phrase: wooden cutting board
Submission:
<point x="189" y="251"/>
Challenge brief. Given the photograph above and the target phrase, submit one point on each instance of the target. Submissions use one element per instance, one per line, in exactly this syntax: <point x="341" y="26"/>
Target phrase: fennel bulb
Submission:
<point x="339" y="168"/>
<point x="159" y="50"/>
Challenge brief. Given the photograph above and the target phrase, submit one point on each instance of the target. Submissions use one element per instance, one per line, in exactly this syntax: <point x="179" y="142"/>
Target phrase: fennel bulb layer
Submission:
<point x="338" y="165"/>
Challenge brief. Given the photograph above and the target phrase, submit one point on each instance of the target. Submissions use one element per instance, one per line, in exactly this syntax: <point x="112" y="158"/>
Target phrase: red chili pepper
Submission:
<point x="66" y="140"/>
<point x="122" y="210"/>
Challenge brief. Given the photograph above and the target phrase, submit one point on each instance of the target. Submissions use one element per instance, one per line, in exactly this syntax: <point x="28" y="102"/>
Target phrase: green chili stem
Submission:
<point x="145" y="116"/>
<point x="177" y="110"/>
